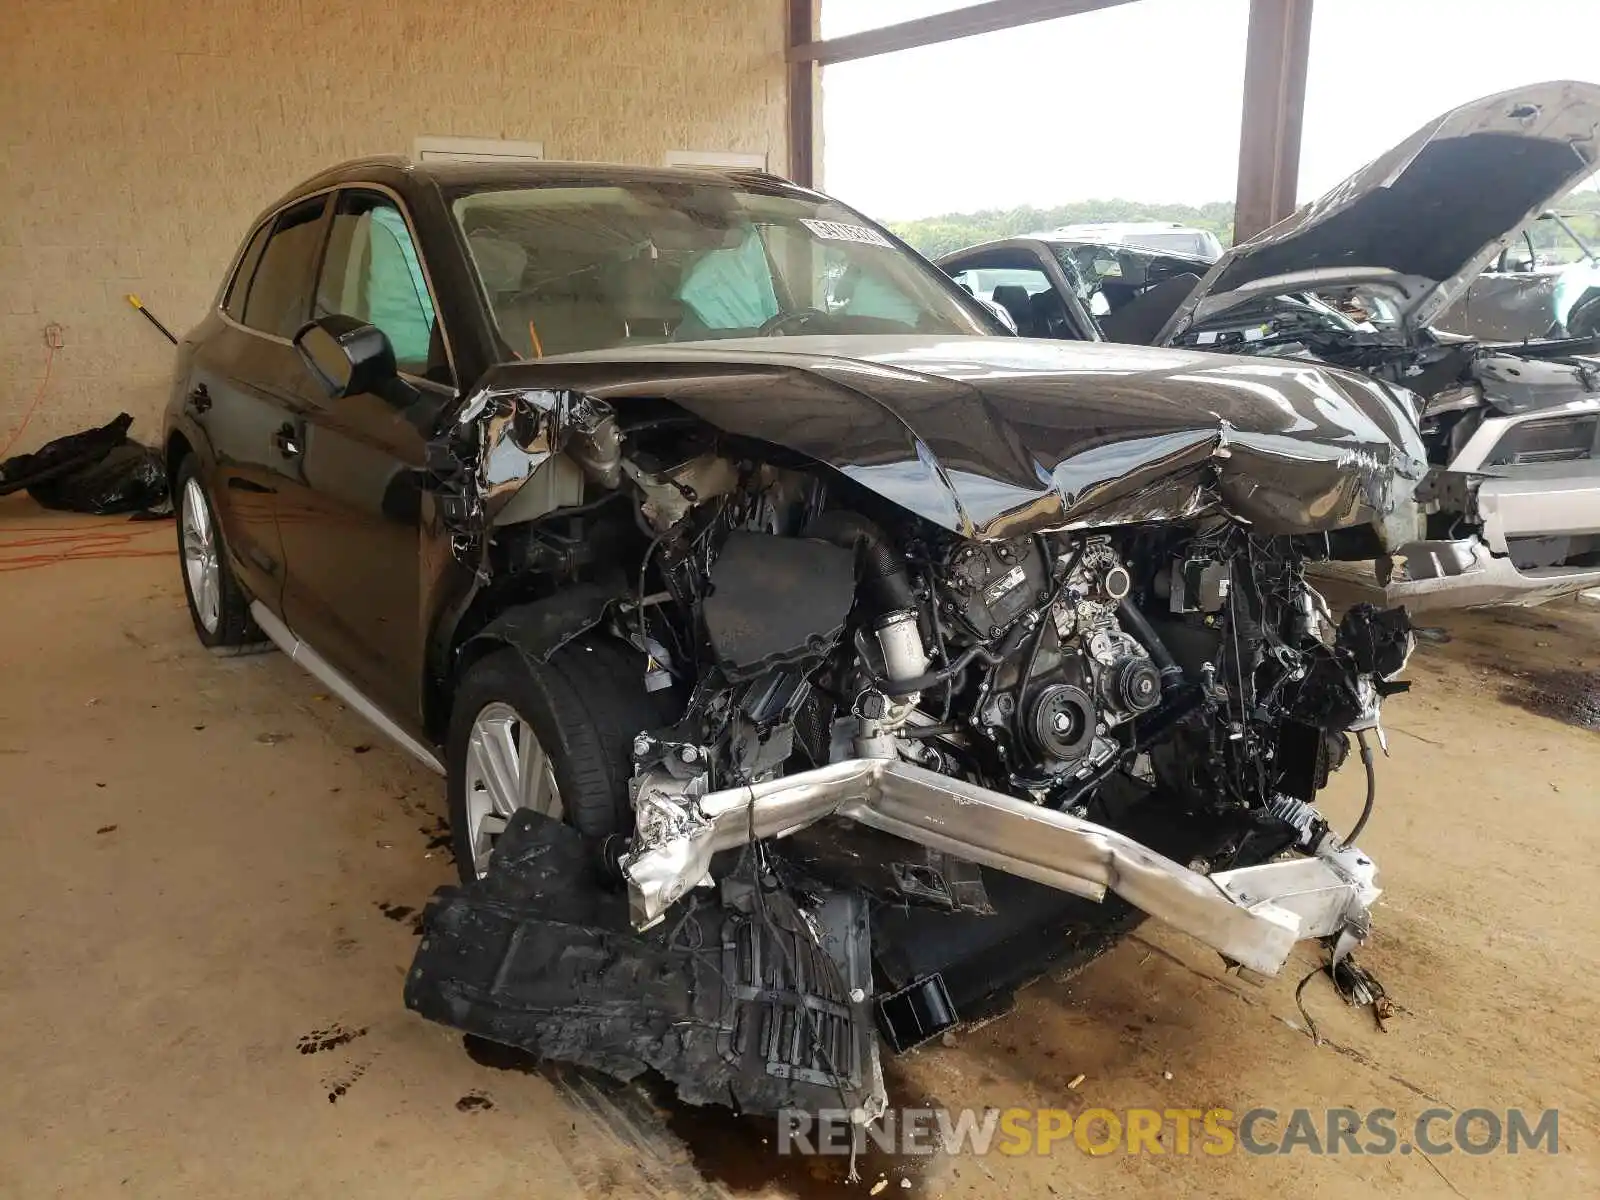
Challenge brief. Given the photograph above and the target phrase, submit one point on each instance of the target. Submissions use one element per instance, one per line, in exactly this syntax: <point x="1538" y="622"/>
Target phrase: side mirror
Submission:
<point x="347" y="356"/>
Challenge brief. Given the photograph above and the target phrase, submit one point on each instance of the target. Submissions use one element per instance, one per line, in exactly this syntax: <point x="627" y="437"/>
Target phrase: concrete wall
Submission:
<point x="140" y="136"/>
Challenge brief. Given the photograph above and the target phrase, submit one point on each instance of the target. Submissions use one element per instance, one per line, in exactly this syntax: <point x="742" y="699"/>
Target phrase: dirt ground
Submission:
<point x="210" y="870"/>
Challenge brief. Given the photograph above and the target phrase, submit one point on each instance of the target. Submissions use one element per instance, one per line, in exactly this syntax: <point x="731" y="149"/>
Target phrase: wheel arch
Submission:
<point x="177" y="449"/>
<point x="537" y="628"/>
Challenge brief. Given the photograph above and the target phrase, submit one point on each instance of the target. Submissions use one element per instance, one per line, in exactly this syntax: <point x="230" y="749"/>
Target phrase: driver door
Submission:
<point x="1509" y="300"/>
<point x="351" y="524"/>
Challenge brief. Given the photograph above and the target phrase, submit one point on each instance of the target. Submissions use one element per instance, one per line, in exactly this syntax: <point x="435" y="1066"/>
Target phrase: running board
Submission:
<point x="283" y="637"/>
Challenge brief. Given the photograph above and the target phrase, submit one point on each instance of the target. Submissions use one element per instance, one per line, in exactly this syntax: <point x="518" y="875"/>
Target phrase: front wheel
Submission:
<point x="217" y="604"/>
<point x="555" y="737"/>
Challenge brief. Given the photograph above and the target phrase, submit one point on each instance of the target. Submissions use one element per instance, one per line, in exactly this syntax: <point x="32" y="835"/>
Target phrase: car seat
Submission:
<point x="1013" y="297"/>
<point x="1048" y="318"/>
<point x="1139" y="320"/>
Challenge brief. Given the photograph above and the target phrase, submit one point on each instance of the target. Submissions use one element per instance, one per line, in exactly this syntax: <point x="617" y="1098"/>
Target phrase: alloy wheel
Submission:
<point x="506" y="769"/>
<point x="200" y="561"/>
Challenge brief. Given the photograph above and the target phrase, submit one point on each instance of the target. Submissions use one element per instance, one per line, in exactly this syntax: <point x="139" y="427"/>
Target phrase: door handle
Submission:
<point x="199" y="398"/>
<point x="287" y="442"/>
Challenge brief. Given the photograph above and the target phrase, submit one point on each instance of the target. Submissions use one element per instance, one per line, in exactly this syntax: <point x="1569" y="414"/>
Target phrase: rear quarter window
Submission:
<point x="279" y="295"/>
<point x="239" y="285"/>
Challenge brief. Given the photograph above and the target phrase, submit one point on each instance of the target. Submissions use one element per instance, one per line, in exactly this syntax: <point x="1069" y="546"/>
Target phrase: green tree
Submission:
<point x="935" y="236"/>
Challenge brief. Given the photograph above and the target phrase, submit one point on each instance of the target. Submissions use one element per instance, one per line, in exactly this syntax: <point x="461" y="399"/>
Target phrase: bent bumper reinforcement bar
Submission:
<point x="1252" y="916"/>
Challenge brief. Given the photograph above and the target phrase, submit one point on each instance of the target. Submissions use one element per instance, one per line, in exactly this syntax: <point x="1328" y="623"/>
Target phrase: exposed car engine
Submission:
<point x="1199" y="660"/>
<point x="887" y="727"/>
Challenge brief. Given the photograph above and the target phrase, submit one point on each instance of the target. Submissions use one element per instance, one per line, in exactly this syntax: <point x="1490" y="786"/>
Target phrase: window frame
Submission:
<point x="277" y="210"/>
<point x="321" y="233"/>
<point x="1028" y="254"/>
<point x="340" y="191"/>
<point x="248" y="258"/>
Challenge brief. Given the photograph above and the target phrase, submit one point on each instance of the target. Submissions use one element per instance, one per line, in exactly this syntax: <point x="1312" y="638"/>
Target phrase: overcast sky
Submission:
<point x="1142" y="101"/>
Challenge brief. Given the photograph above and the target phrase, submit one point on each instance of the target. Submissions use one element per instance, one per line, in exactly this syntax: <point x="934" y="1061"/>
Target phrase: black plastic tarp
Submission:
<point x="98" y="471"/>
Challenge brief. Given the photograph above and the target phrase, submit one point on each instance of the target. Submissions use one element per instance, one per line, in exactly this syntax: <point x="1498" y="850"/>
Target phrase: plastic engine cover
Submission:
<point x="776" y="602"/>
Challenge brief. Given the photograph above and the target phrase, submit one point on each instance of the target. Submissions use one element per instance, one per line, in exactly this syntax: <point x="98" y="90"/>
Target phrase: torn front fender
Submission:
<point x="503" y="438"/>
<point x="541" y="627"/>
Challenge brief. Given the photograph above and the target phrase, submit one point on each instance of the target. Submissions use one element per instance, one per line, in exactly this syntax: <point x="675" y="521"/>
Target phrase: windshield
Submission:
<point x="570" y="268"/>
<point x="1107" y="277"/>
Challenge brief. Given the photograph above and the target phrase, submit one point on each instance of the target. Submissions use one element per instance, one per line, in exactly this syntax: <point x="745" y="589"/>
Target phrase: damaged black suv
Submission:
<point x="808" y="660"/>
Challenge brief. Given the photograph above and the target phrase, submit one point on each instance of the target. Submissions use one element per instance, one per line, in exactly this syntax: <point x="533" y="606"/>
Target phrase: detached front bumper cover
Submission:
<point x="1466" y="573"/>
<point x="1252" y="916"/>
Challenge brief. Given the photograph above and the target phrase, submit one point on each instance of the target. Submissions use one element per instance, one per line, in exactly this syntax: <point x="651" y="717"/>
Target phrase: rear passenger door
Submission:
<point x="352" y="522"/>
<point x="245" y="385"/>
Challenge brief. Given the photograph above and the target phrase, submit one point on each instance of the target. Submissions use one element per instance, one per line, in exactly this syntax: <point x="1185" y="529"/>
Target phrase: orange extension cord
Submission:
<point x="76" y="543"/>
<point x="67" y="543"/>
<point x="49" y="358"/>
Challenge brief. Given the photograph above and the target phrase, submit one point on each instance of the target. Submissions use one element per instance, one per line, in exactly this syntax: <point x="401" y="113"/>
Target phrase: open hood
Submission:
<point x="1424" y="219"/>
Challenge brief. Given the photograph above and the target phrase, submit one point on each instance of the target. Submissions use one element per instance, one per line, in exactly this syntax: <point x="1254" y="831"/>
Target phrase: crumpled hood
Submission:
<point x="1425" y="218"/>
<point x="999" y="437"/>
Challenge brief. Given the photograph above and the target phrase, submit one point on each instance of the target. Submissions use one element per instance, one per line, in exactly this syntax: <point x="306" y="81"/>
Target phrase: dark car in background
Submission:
<point x="805" y="658"/>
<point x="1055" y="285"/>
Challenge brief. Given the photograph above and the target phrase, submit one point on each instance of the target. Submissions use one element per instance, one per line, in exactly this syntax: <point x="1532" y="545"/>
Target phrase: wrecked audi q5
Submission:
<point x="810" y="664"/>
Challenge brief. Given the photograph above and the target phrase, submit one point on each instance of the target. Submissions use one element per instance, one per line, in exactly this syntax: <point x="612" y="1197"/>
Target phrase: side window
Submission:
<point x="984" y="280"/>
<point x="372" y="272"/>
<point x="281" y="286"/>
<point x="1012" y="288"/>
<point x="233" y="305"/>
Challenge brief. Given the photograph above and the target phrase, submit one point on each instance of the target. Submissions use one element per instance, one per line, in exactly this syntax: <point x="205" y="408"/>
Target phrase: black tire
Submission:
<point x="235" y="630"/>
<point x="586" y="705"/>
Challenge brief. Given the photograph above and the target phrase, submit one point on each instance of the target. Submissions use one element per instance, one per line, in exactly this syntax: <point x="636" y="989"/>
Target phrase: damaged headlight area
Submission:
<point x="912" y="769"/>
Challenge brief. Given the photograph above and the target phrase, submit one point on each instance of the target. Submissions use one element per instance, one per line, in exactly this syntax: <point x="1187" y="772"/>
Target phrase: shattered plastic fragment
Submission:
<point x="539" y="954"/>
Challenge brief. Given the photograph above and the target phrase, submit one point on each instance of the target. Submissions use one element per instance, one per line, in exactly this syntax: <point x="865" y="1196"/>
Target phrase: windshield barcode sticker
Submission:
<point x="843" y="231"/>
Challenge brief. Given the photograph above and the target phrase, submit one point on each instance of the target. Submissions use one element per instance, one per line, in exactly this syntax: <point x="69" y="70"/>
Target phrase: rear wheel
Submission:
<point x="555" y="737"/>
<point x="217" y="605"/>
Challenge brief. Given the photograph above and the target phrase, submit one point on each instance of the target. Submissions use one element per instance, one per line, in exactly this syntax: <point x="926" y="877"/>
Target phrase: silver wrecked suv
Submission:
<point x="1512" y="502"/>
